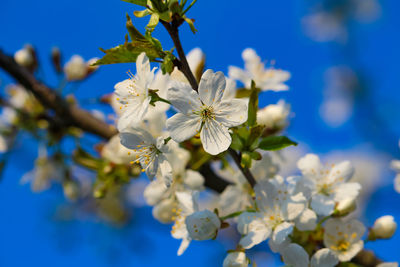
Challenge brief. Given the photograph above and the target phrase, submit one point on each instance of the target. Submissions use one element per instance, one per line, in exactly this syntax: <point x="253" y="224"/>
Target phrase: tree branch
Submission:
<point x="245" y="171"/>
<point x="72" y="115"/>
<point x="182" y="64"/>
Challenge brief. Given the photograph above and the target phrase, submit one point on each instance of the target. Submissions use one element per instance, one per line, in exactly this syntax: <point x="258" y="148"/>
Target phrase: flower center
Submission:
<point x="207" y="113"/>
<point x="342" y="245"/>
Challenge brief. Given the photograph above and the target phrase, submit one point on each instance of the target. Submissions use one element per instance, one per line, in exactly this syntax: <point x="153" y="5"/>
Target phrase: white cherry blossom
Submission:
<point x="327" y="185"/>
<point x="266" y="79"/>
<point x="205" y="113"/>
<point x="187" y="205"/>
<point x="277" y="210"/>
<point x="133" y="93"/>
<point x="202" y="225"/>
<point x="274" y="116"/>
<point x="344" y="238"/>
<point x="149" y="152"/>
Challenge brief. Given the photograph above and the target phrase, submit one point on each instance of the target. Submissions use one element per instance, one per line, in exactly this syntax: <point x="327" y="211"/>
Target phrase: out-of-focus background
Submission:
<point x="344" y="95"/>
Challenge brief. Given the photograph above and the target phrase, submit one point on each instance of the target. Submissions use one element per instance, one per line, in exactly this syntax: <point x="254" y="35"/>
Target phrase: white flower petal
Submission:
<point x="397" y="183"/>
<point x="183" y="127"/>
<point x="295" y="256"/>
<point x="323" y="205"/>
<point x="183" y="97"/>
<point x="341" y="172"/>
<point x="215" y="137"/>
<point x="232" y="112"/>
<point x="133" y="114"/>
<point x="310" y="165"/>
<point x="324" y="258"/>
<point x="211" y="87"/>
<point x="281" y="232"/>
<point x="347" y="190"/>
<point x="307" y="221"/>
<point x="133" y="137"/>
<point x="165" y="169"/>
<point x="239" y="74"/>
<point x="151" y="168"/>
<point x="258" y="231"/>
<point x="184" y="245"/>
<point x="194" y="180"/>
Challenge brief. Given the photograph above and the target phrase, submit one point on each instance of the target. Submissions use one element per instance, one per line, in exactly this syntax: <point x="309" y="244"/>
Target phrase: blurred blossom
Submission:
<point x="323" y="27"/>
<point x="47" y="170"/>
<point x="330" y="19"/>
<point x="340" y="85"/>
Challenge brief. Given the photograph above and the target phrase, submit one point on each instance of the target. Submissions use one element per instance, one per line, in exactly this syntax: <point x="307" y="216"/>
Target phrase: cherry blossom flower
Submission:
<point x="344" y="238"/>
<point x="133" y="93"/>
<point x="278" y="208"/>
<point x="150" y="152"/>
<point x="205" y="112"/>
<point x="266" y="79"/>
<point x="327" y="186"/>
<point x="202" y="225"/>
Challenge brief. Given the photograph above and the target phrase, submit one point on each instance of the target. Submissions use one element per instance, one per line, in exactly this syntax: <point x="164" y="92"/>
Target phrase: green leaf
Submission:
<point x="141" y="14"/>
<point x="237" y="143"/>
<point x="137" y="2"/>
<point x="255" y="133"/>
<point x="127" y="53"/>
<point x="154" y="19"/>
<point x="168" y="65"/>
<point x="275" y="143"/>
<point x="190" y="22"/>
<point x="133" y="32"/>
<point x="253" y="105"/>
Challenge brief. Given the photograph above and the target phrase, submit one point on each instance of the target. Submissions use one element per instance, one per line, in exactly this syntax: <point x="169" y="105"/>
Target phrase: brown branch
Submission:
<point x="182" y="64"/>
<point x="71" y="114"/>
<point x="245" y="171"/>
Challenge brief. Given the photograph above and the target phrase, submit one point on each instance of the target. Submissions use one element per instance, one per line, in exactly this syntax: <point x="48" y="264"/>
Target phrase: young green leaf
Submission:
<point x="275" y="143"/>
<point x="253" y="105"/>
<point x="137" y="2"/>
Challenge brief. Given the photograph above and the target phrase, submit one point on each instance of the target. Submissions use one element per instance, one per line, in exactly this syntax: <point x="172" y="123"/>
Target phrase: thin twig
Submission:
<point x="245" y="171"/>
<point x="182" y="64"/>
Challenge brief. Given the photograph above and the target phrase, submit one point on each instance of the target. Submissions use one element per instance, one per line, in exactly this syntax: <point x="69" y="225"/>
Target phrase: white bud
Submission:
<point x="202" y="225"/>
<point x="236" y="259"/>
<point x="345" y="206"/>
<point x="274" y="116"/>
<point x="71" y="190"/>
<point x="164" y="211"/>
<point x="384" y="227"/>
<point x="24" y="57"/>
<point x="76" y="68"/>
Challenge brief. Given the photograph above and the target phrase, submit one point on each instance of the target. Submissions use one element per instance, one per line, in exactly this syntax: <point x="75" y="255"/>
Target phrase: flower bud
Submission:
<point x="25" y="56"/>
<point x="75" y="69"/>
<point x="164" y="211"/>
<point x="71" y="190"/>
<point x="56" y="59"/>
<point x="236" y="259"/>
<point x="383" y="228"/>
<point x="90" y="67"/>
<point x="345" y="207"/>
<point x="274" y="117"/>
<point x="202" y="225"/>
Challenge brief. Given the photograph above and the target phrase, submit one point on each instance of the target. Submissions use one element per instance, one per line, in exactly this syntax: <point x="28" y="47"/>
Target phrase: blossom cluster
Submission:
<point x="169" y="130"/>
